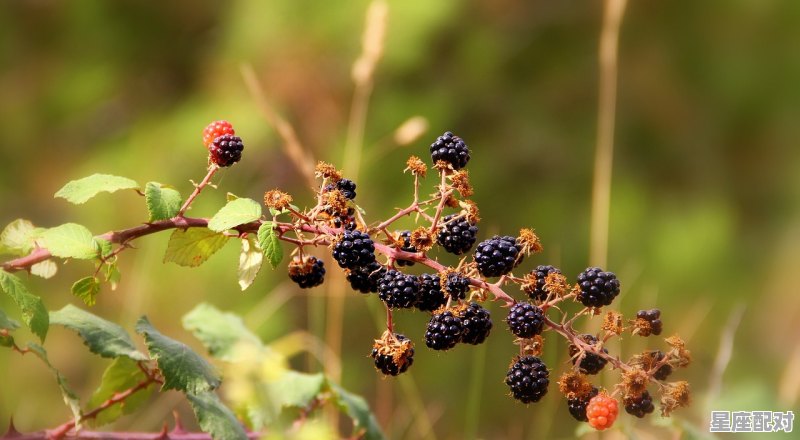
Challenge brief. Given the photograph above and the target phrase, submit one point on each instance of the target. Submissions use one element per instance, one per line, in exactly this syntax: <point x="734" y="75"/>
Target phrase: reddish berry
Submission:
<point x="602" y="411"/>
<point x="215" y="130"/>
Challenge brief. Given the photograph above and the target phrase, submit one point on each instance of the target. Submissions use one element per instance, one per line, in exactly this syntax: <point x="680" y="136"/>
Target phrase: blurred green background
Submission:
<point x="704" y="210"/>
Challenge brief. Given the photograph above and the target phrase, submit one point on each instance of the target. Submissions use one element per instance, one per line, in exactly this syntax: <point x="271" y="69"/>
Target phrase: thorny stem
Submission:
<point x="442" y="199"/>
<point x="199" y="187"/>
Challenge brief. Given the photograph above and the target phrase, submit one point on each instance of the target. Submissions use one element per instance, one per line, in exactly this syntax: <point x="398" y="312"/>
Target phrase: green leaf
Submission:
<point x="162" y="201"/>
<point x="81" y="190"/>
<point x="123" y="374"/>
<point x="250" y="261"/>
<point x="104" y="338"/>
<point x="103" y="247"/>
<point x="34" y="314"/>
<point x="218" y="331"/>
<point x="215" y="418"/>
<point x="70" y="398"/>
<point x="70" y="241"/>
<point x="234" y="213"/>
<point x="113" y="275"/>
<point x="18" y="237"/>
<point x="297" y="390"/>
<point x="193" y="246"/>
<point x="183" y="369"/>
<point x="8" y="325"/>
<point x="365" y="424"/>
<point x="45" y="269"/>
<point x="87" y="289"/>
<point x="268" y="242"/>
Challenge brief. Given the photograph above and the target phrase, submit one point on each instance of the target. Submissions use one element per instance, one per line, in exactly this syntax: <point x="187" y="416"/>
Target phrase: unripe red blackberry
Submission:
<point x="215" y="130"/>
<point x="430" y="293"/>
<point x="477" y="323"/>
<point x="451" y="149"/>
<point x="602" y="411"/>
<point x="577" y="406"/>
<point x="525" y="320"/>
<point x="365" y="278"/>
<point x="398" y="290"/>
<point x="528" y="379"/>
<point x="598" y="288"/>
<point x="226" y="150"/>
<point x="393" y="356"/>
<point x="307" y="271"/>
<point x="591" y="363"/>
<point x="405" y="236"/>
<point x="444" y="331"/>
<point x="537" y="291"/>
<point x="497" y="256"/>
<point x="650" y="322"/>
<point x="457" y="235"/>
<point x="354" y="249"/>
<point x="455" y="285"/>
<point x="639" y="406"/>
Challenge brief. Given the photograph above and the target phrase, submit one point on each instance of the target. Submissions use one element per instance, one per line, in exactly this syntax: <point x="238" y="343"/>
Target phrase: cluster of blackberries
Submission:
<point x="225" y="149"/>
<point x="469" y="324"/>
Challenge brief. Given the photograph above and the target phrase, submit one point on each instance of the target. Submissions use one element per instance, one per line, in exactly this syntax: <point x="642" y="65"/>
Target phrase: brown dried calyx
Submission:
<point x="574" y="385"/>
<point x="675" y="395"/>
<point x="277" y="199"/>
<point x="327" y="171"/>
<point x="529" y="241"/>
<point x="416" y="166"/>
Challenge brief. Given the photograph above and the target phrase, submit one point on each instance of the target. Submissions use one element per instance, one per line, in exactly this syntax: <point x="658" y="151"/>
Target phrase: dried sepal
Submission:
<point x="679" y="353"/>
<point x="634" y="381"/>
<point x="335" y="202"/>
<point x="574" y="385"/>
<point x="416" y="166"/>
<point x="460" y="181"/>
<point x="277" y="199"/>
<point x="612" y="323"/>
<point x="422" y="239"/>
<point x="529" y="241"/>
<point x="327" y="171"/>
<point x="556" y="285"/>
<point x="673" y="396"/>
<point x="443" y="166"/>
<point x="400" y="351"/>
<point x="470" y="210"/>
<point x="531" y="346"/>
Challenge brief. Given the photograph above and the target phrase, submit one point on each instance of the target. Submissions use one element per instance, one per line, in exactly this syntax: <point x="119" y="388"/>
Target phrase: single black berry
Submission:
<point x="591" y="363"/>
<point x="528" y="379"/>
<point x="226" y="150"/>
<point x="405" y="236"/>
<point x="457" y="235"/>
<point x="307" y="272"/>
<point x="347" y="187"/>
<point x="598" y="288"/>
<point x="663" y="371"/>
<point x="456" y="285"/>
<point x="430" y="293"/>
<point x="536" y="291"/>
<point x="348" y="223"/>
<point x="639" y="406"/>
<point x="365" y="278"/>
<point x="398" y="290"/>
<point x="497" y="256"/>
<point x="653" y="319"/>
<point x="525" y="320"/>
<point x="451" y="149"/>
<point x="477" y="323"/>
<point x="577" y="406"/>
<point x="393" y="356"/>
<point x="354" y="249"/>
<point x="444" y="331"/>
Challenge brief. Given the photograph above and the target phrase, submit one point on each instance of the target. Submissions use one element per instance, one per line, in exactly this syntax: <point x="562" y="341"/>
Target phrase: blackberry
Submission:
<point x="365" y="278"/>
<point x="477" y="323"/>
<point x="639" y="406"/>
<point x="451" y="149"/>
<point x="405" y="236"/>
<point x="649" y="322"/>
<point x="577" y="406"/>
<point x="598" y="288"/>
<point x="430" y="293"/>
<point x="591" y="363"/>
<point x="525" y="320"/>
<point x="497" y="256"/>
<point x="393" y="356"/>
<point x="307" y="272"/>
<point x="456" y="285"/>
<point x="528" y="379"/>
<point x="602" y="411"/>
<point x="348" y="223"/>
<point x="663" y="371"/>
<point x="444" y="331"/>
<point x="398" y="290"/>
<point x="536" y="291"/>
<point x="354" y="249"/>
<point x="347" y="187"/>
<point x="215" y="130"/>
<point x="226" y="150"/>
<point x="457" y="235"/>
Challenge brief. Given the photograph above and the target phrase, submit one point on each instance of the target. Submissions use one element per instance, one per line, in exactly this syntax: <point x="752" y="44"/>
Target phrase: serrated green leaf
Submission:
<point x="81" y="190"/>
<point x="234" y="213"/>
<point x="183" y="369"/>
<point x="215" y="418"/>
<point x="269" y="243"/>
<point x="18" y="237"/>
<point x="365" y="424"/>
<point x="250" y="261"/>
<point x="193" y="246"/>
<point x="87" y="289"/>
<point x="218" y="331"/>
<point x="103" y="247"/>
<point x="34" y="314"/>
<point x="70" y="240"/>
<point x="162" y="201"/>
<point x="104" y="338"/>
<point x="123" y="374"/>
<point x="8" y="325"/>
<point x="70" y="398"/>
<point x="45" y="269"/>
<point x="297" y="390"/>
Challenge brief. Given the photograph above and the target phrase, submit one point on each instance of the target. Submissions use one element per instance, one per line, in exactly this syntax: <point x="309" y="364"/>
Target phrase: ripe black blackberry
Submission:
<point x="536" y="291"/>
<point x="405" y="236"/>
<point x="591" y="363"/>
<point x="430" y="293"/>
<point x="639" y="406"/>
<point x="226" y="150"/>
<point x="444" y="331"/>
<point x="457" y="235"/>
<point x="451" y="149"/>
<point x="393" y="356"/>
<point x="598" y="288"/>
<point x="307" y="272"/>
<point x="365" y="278"/>
<point x="354" y="249"/>
<point x="525" y="320"/>
<point x="528" y="379"/>
<point x="577" y="406"/>
<point x="477" y="323"/>
<point x="348" y="223"/>
<point x="347" y="187"/>
<point x="649" y="322"/>
<point x="497" y="256"/>
<point x="398" y="290"/>
<point x="455" y="285"/>
<point x="663" y="371"/>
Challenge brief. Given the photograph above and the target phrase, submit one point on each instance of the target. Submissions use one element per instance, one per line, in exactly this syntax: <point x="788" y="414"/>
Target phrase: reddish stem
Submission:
<point x="211" y="170"/>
